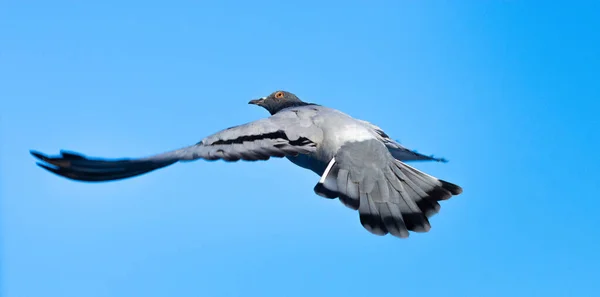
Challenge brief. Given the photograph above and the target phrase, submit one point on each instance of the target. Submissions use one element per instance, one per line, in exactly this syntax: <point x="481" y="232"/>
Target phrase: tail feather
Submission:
<point x="424" y="200"/>
<point x="369" y="215"/>
<point x="346" y="185"/>
<point x="392" y="219"/>
<point x="395" y="198"/>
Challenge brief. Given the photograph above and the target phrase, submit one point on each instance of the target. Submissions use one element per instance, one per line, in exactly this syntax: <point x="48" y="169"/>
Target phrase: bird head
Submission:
<point x="277" y="101"/>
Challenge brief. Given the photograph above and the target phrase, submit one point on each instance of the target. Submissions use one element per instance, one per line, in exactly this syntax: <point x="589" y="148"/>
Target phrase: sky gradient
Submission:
<point x="507" y="91"/>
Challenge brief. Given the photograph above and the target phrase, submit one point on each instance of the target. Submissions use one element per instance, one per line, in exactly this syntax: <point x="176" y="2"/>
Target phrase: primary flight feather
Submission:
<point x="358" y="163"/>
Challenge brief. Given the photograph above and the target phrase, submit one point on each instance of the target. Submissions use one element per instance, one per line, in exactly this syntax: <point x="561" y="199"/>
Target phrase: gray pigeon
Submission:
<point x="358" y="163"/>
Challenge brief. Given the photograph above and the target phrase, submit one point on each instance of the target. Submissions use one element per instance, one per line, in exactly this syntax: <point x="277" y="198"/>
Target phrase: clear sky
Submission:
<point x="506" y="90"/>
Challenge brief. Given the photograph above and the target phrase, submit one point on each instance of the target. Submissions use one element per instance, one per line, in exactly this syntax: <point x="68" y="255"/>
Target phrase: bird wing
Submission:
<point x="399" y="151"/>
<point x="284" y="134"/>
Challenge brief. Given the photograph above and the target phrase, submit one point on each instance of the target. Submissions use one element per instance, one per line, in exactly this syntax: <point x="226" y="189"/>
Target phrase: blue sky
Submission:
<point x="506" y="90"/>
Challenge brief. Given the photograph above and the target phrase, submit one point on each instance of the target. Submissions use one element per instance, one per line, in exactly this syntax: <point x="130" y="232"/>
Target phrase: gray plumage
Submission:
<point x="358" y="163"/>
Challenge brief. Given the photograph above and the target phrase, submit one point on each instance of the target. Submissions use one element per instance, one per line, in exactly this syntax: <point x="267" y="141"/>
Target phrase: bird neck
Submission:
<point x="283" y="105"/>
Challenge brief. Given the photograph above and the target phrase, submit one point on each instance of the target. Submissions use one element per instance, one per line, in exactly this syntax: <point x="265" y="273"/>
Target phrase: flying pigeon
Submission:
<point x="358" y="162"/>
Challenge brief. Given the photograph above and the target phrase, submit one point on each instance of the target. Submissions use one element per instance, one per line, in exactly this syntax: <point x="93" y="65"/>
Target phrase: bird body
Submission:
<point x="358" y="163"/>
<point x="337" y="129"/>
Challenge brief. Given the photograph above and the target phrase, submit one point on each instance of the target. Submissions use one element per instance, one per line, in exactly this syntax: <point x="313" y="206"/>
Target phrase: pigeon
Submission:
<point x="358" y="163"/>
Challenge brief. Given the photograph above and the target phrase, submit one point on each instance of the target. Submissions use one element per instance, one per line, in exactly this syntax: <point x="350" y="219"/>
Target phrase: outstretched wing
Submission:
<point x="284" y="134"/>
<point x="397" y="150"/>
<point x="401" y="153"/>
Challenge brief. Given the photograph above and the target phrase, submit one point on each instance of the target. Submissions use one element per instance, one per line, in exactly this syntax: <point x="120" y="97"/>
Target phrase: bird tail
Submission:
<point x="78" y="167"/>
<point x="390" y="196"/>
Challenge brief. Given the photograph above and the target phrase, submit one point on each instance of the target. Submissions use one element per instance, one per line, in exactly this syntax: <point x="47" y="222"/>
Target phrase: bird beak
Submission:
<point x="257" y="101"/>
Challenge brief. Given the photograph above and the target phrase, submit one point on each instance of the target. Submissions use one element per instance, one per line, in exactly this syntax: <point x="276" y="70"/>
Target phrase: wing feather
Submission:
<point x="281" y="135"/>
<point x="398" y="151"/>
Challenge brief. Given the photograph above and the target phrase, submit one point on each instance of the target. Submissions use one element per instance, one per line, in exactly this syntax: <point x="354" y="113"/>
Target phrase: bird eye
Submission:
<point x="279" y="95"/>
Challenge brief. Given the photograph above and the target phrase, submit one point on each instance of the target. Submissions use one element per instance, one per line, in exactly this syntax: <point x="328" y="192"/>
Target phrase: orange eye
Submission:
<point x="279" y="95"/>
